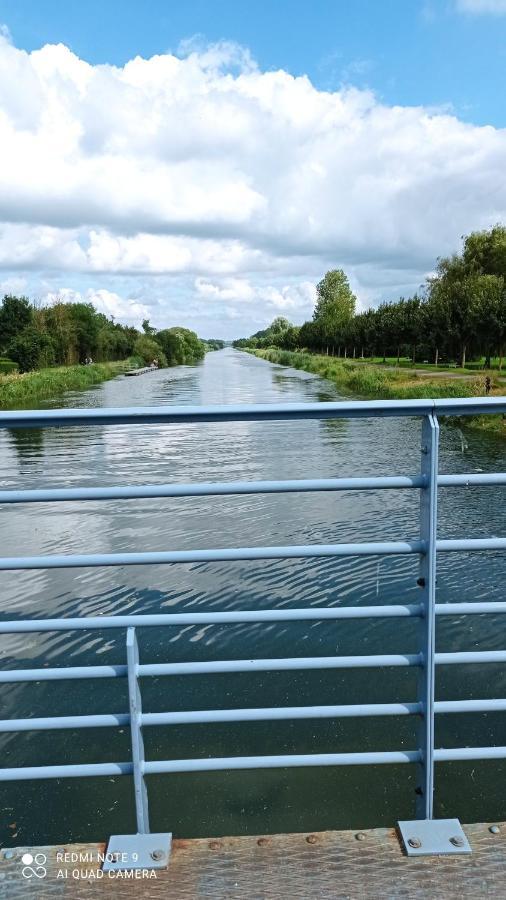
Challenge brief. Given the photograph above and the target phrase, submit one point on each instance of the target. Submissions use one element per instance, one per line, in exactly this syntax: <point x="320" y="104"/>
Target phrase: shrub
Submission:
<point x="32" y="349"/>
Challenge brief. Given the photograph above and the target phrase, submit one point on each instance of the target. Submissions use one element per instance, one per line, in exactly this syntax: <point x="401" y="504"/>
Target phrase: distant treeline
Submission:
<point x="460" y="313"/>
<point x="66" y="334"/>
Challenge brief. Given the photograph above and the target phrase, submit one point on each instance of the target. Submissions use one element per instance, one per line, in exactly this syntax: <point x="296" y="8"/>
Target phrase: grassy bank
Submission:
<point x="45" y="384"/>
<point x="376" y="382"/>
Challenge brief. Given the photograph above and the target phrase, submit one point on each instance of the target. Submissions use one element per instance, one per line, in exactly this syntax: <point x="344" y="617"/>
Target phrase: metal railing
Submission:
<point x="426" y="547"/>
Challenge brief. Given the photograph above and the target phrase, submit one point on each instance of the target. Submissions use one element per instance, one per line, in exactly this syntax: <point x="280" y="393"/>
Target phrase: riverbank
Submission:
<point x="45" y="384"/>
<point x="372" y="381"/>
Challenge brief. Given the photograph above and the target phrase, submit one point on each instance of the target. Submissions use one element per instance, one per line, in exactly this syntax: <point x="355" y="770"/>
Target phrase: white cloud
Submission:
<point x="128" y="312"/>
<point x="480" y="7"/>
<point x="225" y="190"/>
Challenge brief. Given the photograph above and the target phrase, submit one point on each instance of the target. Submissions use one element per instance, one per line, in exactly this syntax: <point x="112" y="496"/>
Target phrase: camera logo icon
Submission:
<point x="34" y="866"/>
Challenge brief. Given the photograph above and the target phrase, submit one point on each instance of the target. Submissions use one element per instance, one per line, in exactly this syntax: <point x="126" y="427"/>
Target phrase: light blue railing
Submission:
<point x="427" y="480"/>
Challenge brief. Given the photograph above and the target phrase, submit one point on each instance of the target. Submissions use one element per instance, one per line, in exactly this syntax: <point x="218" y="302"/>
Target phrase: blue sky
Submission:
<point x="204" y="163"/>
<point x="409" y="51"/>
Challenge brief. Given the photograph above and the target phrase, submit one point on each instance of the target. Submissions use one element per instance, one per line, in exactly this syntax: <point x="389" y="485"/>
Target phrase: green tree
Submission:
<point x="148" y="349"/>
<point x="32" y="349"/>
<point x="335" y="306"/>
<point x="16" y="313"/>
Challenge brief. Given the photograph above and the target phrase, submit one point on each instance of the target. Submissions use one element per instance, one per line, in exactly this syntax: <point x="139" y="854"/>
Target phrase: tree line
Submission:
<point x="65" y="334"/>
<point x="458" y="315"/>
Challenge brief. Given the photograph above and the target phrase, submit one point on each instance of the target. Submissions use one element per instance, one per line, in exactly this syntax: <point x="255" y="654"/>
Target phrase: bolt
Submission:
<point x="420" y="582"/>
<point x="494" y="829"/>
<point x="215" y="845"/>
<point x="311" y="839"/>
<point x="9" y="854"/>
<point x="263" y="842"/>
<point x="415" y="843"/>
<point x="157" y="855"/>
<point x="360" y="836"/>
<point x="457" y="841"/>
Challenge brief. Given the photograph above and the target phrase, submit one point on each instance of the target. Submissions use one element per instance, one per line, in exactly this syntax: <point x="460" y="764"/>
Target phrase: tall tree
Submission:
<point x="335" y="306"/>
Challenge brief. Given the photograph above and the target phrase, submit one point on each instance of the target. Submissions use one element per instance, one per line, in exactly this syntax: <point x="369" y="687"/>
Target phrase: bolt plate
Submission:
<point x="434" y="837"/>
<point x="137" y="851"/>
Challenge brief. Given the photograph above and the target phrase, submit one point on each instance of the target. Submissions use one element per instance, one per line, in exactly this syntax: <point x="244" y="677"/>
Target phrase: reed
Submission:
<point x="44" y="384"/>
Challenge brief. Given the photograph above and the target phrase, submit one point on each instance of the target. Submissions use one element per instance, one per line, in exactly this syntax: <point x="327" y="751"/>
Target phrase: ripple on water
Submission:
<point x="240" y="451"/>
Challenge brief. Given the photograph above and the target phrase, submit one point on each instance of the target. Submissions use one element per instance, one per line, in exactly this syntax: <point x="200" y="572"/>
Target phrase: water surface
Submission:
<point x="241" y="802"/>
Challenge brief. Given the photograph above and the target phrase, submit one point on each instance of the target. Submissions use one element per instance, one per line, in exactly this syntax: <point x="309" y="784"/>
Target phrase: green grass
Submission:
<point x="7" y="365"/>
<point x="372" y="381"/>
<point x="45" y="384"/>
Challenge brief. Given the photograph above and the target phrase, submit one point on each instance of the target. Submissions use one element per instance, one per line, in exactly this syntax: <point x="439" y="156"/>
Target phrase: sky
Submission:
<point x="204" y="163"/>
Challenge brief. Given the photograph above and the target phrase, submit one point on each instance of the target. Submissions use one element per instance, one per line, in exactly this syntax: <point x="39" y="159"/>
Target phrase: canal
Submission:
<point x="242" y="802"/>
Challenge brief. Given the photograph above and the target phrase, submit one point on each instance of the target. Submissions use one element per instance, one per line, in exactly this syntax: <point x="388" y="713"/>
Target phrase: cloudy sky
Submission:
<point x="201" y="167"/>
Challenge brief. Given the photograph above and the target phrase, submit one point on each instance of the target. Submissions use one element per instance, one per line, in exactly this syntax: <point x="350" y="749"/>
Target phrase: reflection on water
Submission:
<point x="240" y="802"/>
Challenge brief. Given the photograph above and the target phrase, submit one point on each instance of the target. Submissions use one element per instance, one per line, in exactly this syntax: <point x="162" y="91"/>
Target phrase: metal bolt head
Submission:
<point x="215" y="845"/>
<point x="494" y="829"/>
<point x="457" y="841"/>
<point x="415" y="843"/>
<point x="157" y="855"/>
<point x="360" y="836"/>
<point x="311" y="839"/>
<point x="9" y="854"/>
<point x="263" y="842"/>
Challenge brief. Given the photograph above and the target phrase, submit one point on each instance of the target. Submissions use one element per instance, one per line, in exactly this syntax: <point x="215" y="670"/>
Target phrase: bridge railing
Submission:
<point x="441" y="836"/>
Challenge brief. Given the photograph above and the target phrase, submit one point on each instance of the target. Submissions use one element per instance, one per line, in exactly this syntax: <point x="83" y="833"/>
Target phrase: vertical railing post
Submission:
<point x="135" y="702"/>
<point x="143" y="850"/>
<point x="426" y="835"/>
<point x="427" y="583"/>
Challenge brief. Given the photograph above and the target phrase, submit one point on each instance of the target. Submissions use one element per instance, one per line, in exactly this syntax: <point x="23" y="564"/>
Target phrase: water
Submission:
<point x="241" y="802"/>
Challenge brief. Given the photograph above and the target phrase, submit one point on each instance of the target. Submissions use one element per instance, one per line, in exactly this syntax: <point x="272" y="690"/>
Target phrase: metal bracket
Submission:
<point x="428" y="837"/>
<point x="137" y="851"/>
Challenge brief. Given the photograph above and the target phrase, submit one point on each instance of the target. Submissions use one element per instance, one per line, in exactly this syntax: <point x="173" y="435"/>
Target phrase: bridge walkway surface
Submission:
<point x="342" y="865"/>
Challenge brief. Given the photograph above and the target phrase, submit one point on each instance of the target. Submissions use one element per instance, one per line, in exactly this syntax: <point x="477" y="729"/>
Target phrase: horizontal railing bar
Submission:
<point x="452" y="754"/>
<point x="468" y="706"/>
<point x="244" y="616"/>
<point x="250" y="412"/>
<point x="458" y="609"/>
<point x="310" y="551"/>
<point x="15" y="676"/>
<point x="307" y="551"/>
<point x="372" y="758"/>
<point x="388" y="757"/>
<point x="217" y="666"/>
<point x="471" y="544"/>
<point x="195" y="717"/>
<point x="79" y="770"/>
<point x="315" y="614"/>
<point x="208" y="716"/>
<point x="460" y="480"/>
<point x="51" y="723"/>
<point x="205" y="489"/>
<point x="473" y="656"/>
<point x="209" y="489"/>
<point x="250" y="665"/>
<point x="90" y="770"/>
<point x="278" y="665"/>
<point x="134" y="492"/>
